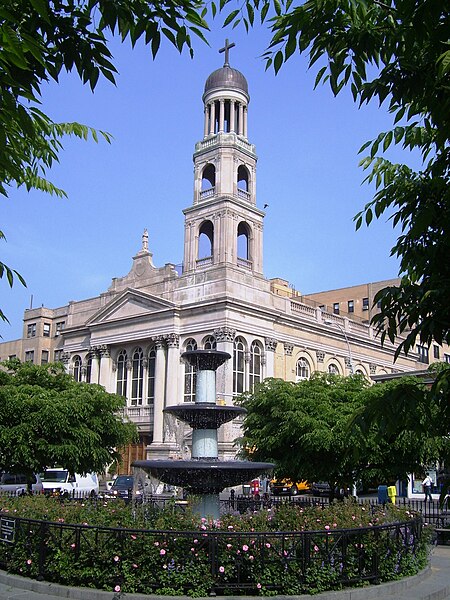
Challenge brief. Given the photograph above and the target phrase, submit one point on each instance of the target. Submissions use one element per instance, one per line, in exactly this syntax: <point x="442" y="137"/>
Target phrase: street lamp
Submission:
<point x="329" y="322"/>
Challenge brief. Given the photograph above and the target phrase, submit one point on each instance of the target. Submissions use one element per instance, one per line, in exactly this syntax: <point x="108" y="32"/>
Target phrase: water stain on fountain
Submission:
<point x="204" y="475"/>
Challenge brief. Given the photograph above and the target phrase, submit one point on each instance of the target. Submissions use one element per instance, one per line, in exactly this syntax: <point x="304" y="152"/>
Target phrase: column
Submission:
<point x="95" y="366"/>
<point x="271" y="346"/>
<point x="159" y="390"/>
<point x="241" y="118"/>
<point x="212" y="118"/>
<point x="206" y="125"/>
<point x="173" y="367"/>
<point x="221" y="114"/>
<point x="104" y="376"/>
<point x="224" y="374"/>
<point x="245" y="121"/>
<point x="232" y="115"/>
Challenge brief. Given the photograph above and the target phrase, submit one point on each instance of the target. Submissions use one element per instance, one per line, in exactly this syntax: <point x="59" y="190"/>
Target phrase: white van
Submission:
<point x="77" y="486"/>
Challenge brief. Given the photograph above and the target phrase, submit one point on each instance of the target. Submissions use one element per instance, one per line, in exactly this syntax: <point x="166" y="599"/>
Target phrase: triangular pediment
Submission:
<point x="128" y="304"/>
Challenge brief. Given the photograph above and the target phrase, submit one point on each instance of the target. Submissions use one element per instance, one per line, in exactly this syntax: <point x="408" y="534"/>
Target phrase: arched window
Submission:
<point x="137" y="377"/>
<point x="89" y="370"/>
<point x="208" y="181"/>
<point x="243" y="237"/>
<point x="190" y="375"/>
<point x="77" y="364"/>
<point x="333" y="369"/>
<point x="302" y="369"/>
<point x="243" y="180"/>
<point x="151" y="370"/>
<point x="121" y="387"/>
<point x="255" y="373"/>
<point x="206" y="240"/>
<point x="238" y="366"/>
<point x="210" y="343"/>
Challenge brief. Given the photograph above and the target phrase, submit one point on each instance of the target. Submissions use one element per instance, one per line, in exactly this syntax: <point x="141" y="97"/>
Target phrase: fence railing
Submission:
<point x="230" y="562"/>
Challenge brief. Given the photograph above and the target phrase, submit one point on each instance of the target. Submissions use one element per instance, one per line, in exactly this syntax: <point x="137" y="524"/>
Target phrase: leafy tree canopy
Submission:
<point x="305" y="429"/>
<point x="394" y="52"/>
<point x="48" y="419"/>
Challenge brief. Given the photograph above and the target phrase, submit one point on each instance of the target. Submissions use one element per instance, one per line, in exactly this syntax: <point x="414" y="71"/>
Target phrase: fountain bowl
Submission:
<point x="206" y="360"/>
<point x="210" y="476"/>
<point x="206" y="415"/>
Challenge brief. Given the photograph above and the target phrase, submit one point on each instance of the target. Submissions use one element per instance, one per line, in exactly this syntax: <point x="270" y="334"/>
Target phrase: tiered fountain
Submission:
<point x="204" y="475"/>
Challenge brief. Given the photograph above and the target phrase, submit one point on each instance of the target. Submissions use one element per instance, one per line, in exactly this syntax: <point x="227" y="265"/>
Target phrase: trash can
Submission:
<point x="392" y="493"/>
<point x="382" y="494"/>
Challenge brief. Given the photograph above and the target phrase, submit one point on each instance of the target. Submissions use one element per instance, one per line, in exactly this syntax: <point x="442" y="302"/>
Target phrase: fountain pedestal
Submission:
<point x="205" y="475"/>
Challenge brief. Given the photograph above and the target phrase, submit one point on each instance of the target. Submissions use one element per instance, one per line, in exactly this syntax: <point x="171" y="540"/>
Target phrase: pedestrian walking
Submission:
<point x="427" y="483"/>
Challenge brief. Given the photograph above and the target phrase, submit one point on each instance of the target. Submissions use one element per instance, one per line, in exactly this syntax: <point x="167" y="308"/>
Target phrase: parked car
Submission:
<point x="61" y="481"/>
<point x="323" y="488"/>
<point x="122" y="487"/>
<point x="16" y="484"/>
<point x="287" y="487"/>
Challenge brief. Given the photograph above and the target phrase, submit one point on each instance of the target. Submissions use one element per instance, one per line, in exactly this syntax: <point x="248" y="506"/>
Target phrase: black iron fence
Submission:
<point x="209" y="562"/>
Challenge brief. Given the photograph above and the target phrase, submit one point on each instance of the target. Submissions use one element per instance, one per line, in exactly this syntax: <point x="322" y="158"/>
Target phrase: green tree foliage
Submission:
<point x="41" y="38"/>
<point x="305" y="428"/>
<point x="394" y="52"/>
<point x="409" y="409"/>
<point x="47" y="419"/>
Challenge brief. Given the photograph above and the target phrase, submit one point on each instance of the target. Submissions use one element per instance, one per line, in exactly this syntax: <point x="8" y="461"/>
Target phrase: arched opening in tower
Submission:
<point x="206" y="240"/>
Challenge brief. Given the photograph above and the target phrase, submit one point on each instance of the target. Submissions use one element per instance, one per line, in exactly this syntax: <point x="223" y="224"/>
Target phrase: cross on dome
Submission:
<point x="226" y="49"/>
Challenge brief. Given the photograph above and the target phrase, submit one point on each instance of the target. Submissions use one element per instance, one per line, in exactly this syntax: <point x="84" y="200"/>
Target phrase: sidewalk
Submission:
<point x="432" y="584"/>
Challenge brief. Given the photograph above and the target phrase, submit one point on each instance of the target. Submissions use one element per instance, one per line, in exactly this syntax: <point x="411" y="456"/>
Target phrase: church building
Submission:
<point x="130" y="338"/>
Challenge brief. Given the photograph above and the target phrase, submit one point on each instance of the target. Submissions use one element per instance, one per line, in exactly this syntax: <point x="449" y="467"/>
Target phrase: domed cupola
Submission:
<point x="226" y="78"/>
<point x="226" y="100"/>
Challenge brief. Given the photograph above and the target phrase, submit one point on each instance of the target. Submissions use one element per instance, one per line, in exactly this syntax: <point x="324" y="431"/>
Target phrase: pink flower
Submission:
<point x="230" y="526"/>
<point x="229" y="546"/>
<point x="267" y="545"/>
<point x="316" y="549"/>
<point x="327" y="527"/>
<point x="162" y="551"/>
<point x="29" y="561"/>
<point x="334" y="524"/>
<point x="245" y="547"/>
<point x="72" y="545"/>
<point x="251" y="557"/>
<point x="116" y="558"/>
<point x="133" y="537"/>
<point x="135" y="566"/>
<point x="259" y="586"/>
<point x="221" y="569"/>
<point x="117" y="588"/>
<point x="156" y="543"/>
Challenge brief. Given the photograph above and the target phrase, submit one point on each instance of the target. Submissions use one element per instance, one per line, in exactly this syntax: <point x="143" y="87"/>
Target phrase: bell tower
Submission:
<point x="223" y="227"/>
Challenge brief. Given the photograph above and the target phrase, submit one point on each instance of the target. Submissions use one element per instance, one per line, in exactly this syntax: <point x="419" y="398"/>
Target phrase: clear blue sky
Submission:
<point x="306" y="140"/>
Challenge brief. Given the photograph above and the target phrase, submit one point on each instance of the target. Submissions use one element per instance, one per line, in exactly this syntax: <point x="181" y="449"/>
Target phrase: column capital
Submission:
<point x="288" y="348"/>
<point x="320" y="356"/>
<point x="224" y="334"/>
<point x="173" y="340"/>
<point x="271" y="344"/>
<point x="160" y="341"/>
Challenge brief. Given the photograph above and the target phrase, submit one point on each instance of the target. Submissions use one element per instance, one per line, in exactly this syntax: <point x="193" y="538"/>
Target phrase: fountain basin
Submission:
<point x="205" y="415"/>
<point x="210" y="476"/>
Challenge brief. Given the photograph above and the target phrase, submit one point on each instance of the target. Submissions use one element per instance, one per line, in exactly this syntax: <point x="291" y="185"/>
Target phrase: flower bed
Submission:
<point x="290" y="550"/>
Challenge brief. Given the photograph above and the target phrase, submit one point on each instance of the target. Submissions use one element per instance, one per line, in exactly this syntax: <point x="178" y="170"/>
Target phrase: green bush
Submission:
<point x="113" y="546"/>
